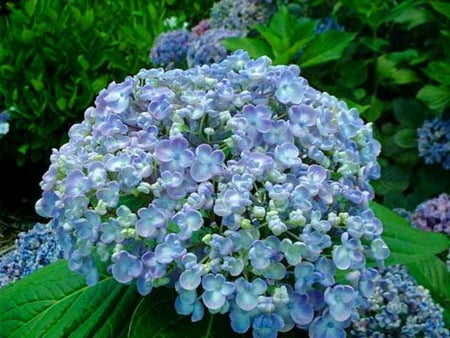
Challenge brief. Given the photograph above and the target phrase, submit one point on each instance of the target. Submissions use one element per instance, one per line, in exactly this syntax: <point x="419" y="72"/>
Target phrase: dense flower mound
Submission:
<point x="434" y="142"/>
<point x="34" y="249"/>
<point x="207" y="48"/>
<point x="241" y="15"/>
<point x="170" y="49"/>
<point x="237" y="184"/>
<point x="433" y="215"/>
<point x="399" y="307"/>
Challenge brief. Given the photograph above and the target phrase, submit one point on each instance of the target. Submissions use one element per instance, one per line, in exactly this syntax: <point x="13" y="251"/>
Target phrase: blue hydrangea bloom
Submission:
<point x="399" y="307"/>
<point x="207" y="48"/>
<point x="33" y="249"/>
<point x="240" y="15"/>
<point x="434" y="142"/>
<point x="4" y="125"/>
<point x="233" y="183"/>
<point x="170" y="49"/>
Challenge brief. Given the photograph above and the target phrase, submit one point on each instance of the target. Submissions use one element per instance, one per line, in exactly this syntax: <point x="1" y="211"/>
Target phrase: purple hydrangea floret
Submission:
<point x="236" y="183"/>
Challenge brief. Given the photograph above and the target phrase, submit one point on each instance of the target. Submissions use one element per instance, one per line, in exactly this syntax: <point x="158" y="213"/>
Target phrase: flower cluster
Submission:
<point x="237" y="184"/>
<point x="208" y="48"/>
<point x="4" y="125"/>
<point x="34" y="249"/>
<point x="170" y="49"/>
<point x="203" y="44"/>
<point x="399" y="307"/>
<point x="241" y="15"/>
<point x="433" y="215"/>
<point x="434" y="142"/>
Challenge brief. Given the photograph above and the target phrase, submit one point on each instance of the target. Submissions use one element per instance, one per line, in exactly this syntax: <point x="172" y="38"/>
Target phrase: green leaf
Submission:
<point x="407" y="244"/>
<point x="325" y="47"/>
<point x="408" y="112"/>
<point x="436" y="98"/>
<point x="393" y="178"/>
<point x="406" y="138"/>
<point x="254" y="46"/>
<point x="438" y="71"/>
<point x="375" y="110"/>
<point x="441" y="7"/>
<point x="413" y="17"/>
<point x="404" y="76"/>
<point x="55" y="302"/>
<point x="30" y="7"/>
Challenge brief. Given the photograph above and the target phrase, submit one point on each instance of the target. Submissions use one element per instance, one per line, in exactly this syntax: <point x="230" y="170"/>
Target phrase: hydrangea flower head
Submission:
<point x="240" y="15"/>
<point x="434" y="142"/>
<point x="244" y="196"/>
<point x="399" y="307"/>
<point x="207" y="48"/>
<point x="170" y="49"/>
<point x="433" y="215"/>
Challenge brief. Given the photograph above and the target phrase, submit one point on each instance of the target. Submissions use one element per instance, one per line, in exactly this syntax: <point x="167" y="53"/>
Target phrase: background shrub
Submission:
<point x="54" y="57"/>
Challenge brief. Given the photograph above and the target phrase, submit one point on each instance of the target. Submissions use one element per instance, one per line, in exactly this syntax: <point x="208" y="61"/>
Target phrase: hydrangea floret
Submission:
<point x="237" y="184"/>
<point x="434" y="142"/>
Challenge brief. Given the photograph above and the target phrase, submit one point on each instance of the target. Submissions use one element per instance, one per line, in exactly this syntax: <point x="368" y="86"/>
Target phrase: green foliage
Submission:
<point x="55" y="56"/>
<point x="287" y="38"/>
<point x="55" y="302"/>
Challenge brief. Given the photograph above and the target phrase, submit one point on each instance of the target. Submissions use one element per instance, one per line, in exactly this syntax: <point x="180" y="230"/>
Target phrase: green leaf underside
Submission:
<point x="407" y="244"/>
<point x="55" y="302"/>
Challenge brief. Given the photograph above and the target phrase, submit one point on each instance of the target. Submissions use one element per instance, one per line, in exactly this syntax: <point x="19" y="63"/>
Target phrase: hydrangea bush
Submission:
<point x="34" y="249"/>
<point x="434" y="142"/>
<point x="399" y="307"/>
<point x="237" y="184"/>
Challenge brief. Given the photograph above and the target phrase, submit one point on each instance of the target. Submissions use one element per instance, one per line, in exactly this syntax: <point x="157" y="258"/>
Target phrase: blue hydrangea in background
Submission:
<point x="34" y="249"/>
<point x="170" y="49"/>
<point x="434" y="142"/>
<point x="328" y="24"/>
<point x="4" y="125"/>
<point x="208" y="48"/>
<point x="433" y="215"/>
<point x="241" y="15"/>
<point x="237" y="184"/>
<point x="399" y="307"/>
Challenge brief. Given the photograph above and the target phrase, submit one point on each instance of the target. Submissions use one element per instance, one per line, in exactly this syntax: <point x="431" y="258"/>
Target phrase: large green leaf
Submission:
<point x="407" y="244"/>
<point x="155" y="316"/>
<point x="436" y="98"/>
<point x="442" y="7"/>
<point x="325" y="47"/>
<point x="55" y="302"/>
<point x="406" y="138"/>
<point x="393" y="178"/>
